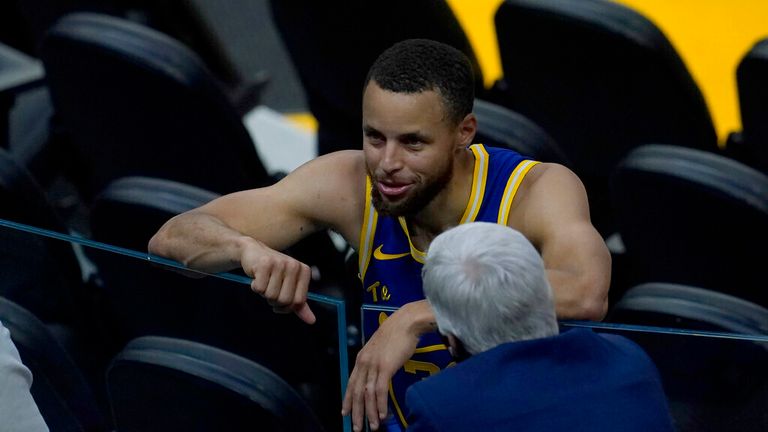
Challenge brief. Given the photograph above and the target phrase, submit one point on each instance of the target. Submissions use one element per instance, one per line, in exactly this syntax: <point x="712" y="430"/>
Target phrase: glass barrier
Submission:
<point x="714" y="381"/>
<point x="713" y="377"/>
<point x="128" y="293"/>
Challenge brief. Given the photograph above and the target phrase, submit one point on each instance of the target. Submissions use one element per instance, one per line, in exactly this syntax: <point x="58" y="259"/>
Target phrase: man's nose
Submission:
<point x="391" y="160"/>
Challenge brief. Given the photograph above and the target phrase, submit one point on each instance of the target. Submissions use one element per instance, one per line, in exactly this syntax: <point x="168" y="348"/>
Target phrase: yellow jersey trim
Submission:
<point x="415" y="253"/>
<point x="515" y="179"/>
<point x="430" y="348"/>
<point x="397" y="406"/>
<point x="370" y="217"/>
<point x="479" y="176"/>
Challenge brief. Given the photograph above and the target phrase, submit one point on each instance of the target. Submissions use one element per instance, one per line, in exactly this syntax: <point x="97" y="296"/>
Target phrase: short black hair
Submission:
<point x="417" y="65"/>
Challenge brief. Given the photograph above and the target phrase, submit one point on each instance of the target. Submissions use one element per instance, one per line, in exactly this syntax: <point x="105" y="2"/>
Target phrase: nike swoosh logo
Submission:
<point x="381" y="256"/>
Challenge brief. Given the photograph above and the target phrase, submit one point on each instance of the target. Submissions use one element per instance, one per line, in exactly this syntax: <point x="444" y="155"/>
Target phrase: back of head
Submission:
<point x="417" y="65"/>
<point x="487" y="286"/>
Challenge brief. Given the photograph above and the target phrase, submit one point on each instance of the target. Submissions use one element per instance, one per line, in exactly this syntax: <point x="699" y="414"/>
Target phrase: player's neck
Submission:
<point x="446" y="209"/>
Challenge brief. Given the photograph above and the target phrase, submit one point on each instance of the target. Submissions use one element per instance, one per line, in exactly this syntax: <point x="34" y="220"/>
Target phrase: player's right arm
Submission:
<point x="248" y="229"/>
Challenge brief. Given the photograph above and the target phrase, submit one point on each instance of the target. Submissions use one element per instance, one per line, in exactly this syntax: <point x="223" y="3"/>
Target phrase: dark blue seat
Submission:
<point x="332" y="65"/>
<point x="601" y="79"/>
<point x="60" y="388"/>
<point x="712" y="383"/>
<point x="142" y="299"/>
<point x="499" y="126"/>
<point x="693" y="217"/>
<point x="162" y="384"/>
<point x="750" y="145"/>
<point x="134" y="101"/>
<point x="41" y="274"/>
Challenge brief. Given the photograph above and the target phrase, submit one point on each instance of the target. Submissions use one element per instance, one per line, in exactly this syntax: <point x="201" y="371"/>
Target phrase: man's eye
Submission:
<point x="375" y="139"/>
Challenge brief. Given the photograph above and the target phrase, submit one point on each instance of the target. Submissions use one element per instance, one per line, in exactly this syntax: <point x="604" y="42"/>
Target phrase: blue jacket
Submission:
<point x="576" y="381"/>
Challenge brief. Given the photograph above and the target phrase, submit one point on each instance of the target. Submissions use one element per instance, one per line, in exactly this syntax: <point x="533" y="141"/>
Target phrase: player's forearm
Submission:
<point x="201" y="242"/>
<point x="419" y="316"/>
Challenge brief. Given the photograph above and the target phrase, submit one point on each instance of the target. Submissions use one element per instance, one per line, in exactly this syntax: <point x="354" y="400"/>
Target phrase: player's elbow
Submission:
<point x="583" y="308"/>
<point x="594" y="309"/>
<point x="592" y="303"/>
<point x="585" y="301"/>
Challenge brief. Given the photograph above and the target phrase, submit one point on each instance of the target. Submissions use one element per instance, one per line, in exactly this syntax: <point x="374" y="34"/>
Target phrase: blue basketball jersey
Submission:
<point x="390" y="265"/>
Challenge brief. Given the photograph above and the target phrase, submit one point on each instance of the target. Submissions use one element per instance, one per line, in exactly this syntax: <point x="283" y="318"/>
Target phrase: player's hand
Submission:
<point x="387" y="351"/>
<point x="282" y="280"/>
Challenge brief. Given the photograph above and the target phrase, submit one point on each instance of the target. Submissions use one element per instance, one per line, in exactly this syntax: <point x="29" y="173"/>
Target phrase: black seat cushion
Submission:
<point x="160" y="384"/>
<point x="59" y="387"/>
<point x="601" y="79"/>
<point x="137" y="102"/>
<point x="693" y="217"/>
<point x="752" y="83"/>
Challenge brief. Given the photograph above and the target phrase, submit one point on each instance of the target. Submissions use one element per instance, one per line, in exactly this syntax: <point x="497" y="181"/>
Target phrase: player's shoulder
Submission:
<point x="548" y="172"/>
<point x="343" y="163"/>
<point x="545" y="178"/>
<point x="338" y="170"/>
<point x="331" y="189"/>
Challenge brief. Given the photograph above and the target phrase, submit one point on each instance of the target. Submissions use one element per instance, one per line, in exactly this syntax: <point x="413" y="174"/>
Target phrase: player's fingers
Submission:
<point x="291" y="274"/>
<point x="305" y="314"/>
<point x="304" y="275"/>
<point x="275" y="284"/>
<point x="358" y="405"/>
<point x="346" y="403"/>
<point x="382" y="394"/>
<point x="260" y="281"/>
<point x="371" y="410"/>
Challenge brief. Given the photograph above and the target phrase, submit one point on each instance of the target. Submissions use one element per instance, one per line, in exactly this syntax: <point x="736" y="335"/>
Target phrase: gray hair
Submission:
<point x="487" y="286"/>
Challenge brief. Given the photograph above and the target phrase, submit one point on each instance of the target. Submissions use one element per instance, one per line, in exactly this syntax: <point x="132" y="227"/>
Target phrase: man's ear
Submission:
<point x="452" y="343"/>
<point x="467" y="129"/>
<point x="456" y="348"/>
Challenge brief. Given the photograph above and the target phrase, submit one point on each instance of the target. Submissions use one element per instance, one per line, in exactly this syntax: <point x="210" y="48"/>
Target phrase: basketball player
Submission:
<point x="417" y="175"/>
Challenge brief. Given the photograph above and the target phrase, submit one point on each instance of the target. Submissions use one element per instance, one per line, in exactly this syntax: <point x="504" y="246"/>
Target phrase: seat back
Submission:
<point x="41" y="274"/>
<point x="161" y="384"/>
<point x="669" y="305"/>
<point x="692" y="217"/>
<point x="601" y="79"/>
<point x="752" y="83"/>
<point x="25" y="23"/>
<point x="501" y="127"/>
<point x="712" y="383"/>
<point x="136" y="102"/>
<point x="332" y="65"/>
<point x="142" y="299"/>
<point x="59" y="387"/>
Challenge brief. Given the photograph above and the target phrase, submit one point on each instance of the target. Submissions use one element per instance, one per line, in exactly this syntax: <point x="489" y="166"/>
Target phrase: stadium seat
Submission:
<point x="687" y="307"/>
<point x="60" y="389"/>
<point x="500" y="127"/>
<point x="18" y="73"/>
<point x="332" y="65"/>
<point x="601" y="79"/>
<point x="712" y="383"/>
<point x="142" y="299"/>
<point x="23" y="24"/>
<point x="693" y="217"/>
<point x="137" y="102"/>
<point x="751" y="144"/>
<point x="162" y="384"/>
<point x="40" y="274"/>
